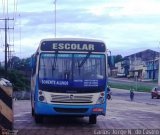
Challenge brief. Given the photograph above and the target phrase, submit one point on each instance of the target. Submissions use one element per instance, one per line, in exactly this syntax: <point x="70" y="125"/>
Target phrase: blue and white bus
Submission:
<point x="69" y="77"/>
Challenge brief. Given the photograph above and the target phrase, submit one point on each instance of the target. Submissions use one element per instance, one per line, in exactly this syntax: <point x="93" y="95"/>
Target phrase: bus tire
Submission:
<point x="92" y="119"/>
<point x="38" y="118"/>
<point x="32" y="112"/>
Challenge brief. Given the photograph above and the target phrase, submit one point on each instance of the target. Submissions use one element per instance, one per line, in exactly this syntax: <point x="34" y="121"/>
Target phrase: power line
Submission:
<point x="13" y="33"/>
<point x="15" y="8"/>
<point x="15" y="19"/>
<point x="20" y="34"/>
<point x="7" y="8"/>
<point x="6" y="43"/>
<point x="3" y="7"/>
<point x="9" y="37"/>
<point x="1" y="39"/>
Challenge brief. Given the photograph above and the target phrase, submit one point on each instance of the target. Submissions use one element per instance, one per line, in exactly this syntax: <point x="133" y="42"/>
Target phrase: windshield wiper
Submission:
<point x="84" y="60"/>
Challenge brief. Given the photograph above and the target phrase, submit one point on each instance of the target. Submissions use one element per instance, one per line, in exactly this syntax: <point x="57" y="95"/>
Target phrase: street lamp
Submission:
<point x="55" y="17"/>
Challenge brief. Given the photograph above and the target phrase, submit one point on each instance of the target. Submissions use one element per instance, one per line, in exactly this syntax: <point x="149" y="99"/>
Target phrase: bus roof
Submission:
<point x="71" y="39"/>
<point x="72" y="44"/>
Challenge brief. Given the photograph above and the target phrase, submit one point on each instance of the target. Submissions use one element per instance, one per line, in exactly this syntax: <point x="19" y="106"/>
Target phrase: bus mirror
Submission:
<point x="32" y="62"/>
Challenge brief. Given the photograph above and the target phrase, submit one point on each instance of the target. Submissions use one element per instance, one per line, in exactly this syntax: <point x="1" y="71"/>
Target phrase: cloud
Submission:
<point x="122" y="24"/>
<point x="138" y="8"/>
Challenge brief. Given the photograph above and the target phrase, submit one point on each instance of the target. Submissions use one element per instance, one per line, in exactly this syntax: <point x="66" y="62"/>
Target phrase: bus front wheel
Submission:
<point x="92" y="119"/>
<point x="38" y="118"/>
<point x="32" y="111"/>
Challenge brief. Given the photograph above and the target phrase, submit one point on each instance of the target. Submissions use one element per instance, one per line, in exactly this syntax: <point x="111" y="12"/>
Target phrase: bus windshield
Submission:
<point x="73" y="70"/>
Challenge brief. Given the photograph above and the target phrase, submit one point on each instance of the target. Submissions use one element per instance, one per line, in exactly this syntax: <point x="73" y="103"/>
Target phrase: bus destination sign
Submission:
<point x="85" y="46"/>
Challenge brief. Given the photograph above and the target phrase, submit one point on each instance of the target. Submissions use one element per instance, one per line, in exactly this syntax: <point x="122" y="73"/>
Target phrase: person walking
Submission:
<point x="132" y="94"/>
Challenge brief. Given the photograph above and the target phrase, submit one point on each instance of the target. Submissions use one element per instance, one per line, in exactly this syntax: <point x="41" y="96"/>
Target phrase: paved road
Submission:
<point x="139" y="97"/>
<point x="121" y="114"/>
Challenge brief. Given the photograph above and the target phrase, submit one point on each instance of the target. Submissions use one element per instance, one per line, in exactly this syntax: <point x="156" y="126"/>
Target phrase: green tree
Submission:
<point x="14" y="62"/>
<point x="114" y="59"/>
<point x="118" y="58"/>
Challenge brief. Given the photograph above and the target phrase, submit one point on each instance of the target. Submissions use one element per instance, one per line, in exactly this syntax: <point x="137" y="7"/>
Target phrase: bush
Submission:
<point x="18" y="80"/>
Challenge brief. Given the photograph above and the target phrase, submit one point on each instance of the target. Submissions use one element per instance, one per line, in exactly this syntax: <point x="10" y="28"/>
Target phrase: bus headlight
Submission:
<point x="101" y="98"/>
<point x="41" y="96"/>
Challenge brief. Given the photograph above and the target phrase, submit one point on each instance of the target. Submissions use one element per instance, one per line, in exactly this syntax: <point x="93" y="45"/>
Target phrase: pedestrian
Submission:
<point x="132" y="94"/>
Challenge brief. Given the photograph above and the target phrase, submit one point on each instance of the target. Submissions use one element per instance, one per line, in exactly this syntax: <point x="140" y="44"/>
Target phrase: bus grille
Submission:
<point x="71" y="110"/>
<point x="71" y="98"/>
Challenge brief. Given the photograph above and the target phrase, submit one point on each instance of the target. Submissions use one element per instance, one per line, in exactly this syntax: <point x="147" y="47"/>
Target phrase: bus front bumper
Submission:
<point x="74" y="110"/>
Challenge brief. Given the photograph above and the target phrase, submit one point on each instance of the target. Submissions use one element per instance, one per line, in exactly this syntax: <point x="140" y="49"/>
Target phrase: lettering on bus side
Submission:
<point x="74" y="46"/>
<point x="54" y="82"/>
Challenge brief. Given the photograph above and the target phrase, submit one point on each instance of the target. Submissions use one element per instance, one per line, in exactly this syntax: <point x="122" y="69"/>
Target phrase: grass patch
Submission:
<point x="140" y="88"/>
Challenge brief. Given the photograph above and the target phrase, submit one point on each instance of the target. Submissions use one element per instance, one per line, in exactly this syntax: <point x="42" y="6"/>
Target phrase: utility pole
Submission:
<point x="154" y="56"/>
<point x="6" y="44"/>
<point x="109" y="64"/>
<point x="55" y="17"/>
<point x="159" y="69"/>
<point x="6" y="47"/>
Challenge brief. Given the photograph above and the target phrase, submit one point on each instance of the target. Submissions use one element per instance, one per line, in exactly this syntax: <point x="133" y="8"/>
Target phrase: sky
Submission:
<point x="126" y="26"/>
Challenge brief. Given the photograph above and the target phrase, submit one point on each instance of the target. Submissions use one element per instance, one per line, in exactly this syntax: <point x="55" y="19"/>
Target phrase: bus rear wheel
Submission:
<point x="92" y="119"/>
<point x="38" y="118"/>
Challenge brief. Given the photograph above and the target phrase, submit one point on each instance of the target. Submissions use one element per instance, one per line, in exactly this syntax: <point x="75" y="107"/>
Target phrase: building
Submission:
<point x="143" y="65"/>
